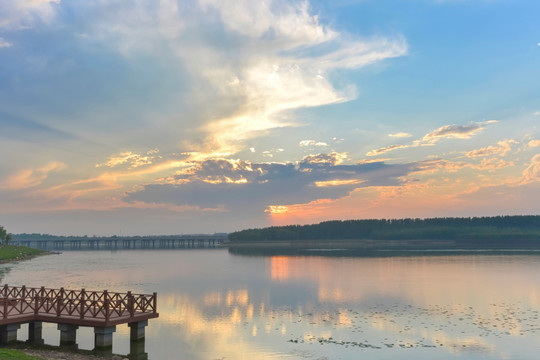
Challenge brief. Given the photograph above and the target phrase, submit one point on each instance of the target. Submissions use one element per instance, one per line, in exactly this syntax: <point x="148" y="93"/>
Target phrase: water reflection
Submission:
<point x="214" y="305"/>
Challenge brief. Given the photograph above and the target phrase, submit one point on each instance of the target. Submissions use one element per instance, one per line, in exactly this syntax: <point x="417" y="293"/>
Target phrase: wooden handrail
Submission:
<point x="82" y="304"/>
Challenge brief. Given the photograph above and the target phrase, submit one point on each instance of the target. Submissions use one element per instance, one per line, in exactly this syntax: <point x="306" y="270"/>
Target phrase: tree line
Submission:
<point x="494" y="228"/>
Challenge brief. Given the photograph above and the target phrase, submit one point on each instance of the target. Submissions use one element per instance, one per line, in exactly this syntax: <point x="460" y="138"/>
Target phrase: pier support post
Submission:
<point x="137" y="330"/>
<point x="8" y="333"/>
<point x="35" y="330"/>
<point x="136" y="344"/>
<point x="103" y="337"/>
<point x="136" y="350"/>
<point x="68" y="334"/>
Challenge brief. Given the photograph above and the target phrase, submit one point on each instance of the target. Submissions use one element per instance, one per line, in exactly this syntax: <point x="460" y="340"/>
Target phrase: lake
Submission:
<point x="216" y="305"/>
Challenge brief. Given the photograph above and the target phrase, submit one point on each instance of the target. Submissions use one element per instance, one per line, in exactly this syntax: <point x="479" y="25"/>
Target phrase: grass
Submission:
<point x="13" y="252"/>
<point x="10" y="354"/>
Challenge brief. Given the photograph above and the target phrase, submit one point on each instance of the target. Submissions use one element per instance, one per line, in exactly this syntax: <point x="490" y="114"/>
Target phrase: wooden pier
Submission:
<point x="71" y="309"/>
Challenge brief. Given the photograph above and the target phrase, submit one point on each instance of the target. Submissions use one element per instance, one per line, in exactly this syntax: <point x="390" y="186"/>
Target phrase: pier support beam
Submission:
<point x="103" y="337"/>
<point x="68" y="334"/>
<point x="35" y="330"/>
<point x="137" y="330"/>
<point x="8" y="333"/>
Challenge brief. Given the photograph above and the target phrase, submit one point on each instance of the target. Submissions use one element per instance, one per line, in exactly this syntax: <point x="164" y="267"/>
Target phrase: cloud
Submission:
<point x="29" y="178"/>
<point x="431" y="138"/>
<point x="323" y="159"/>
<point x="452" y="132"/>
<point x="293" y="22"/>
<point x="254" y="62"/>
<point x="134" y="160"/>
<point x="431" y="166"/>
<point x="229" y="182"/>
<point x="386" y="149"/>
<point x="23" y="14"/>
<point x="307" y="143"/>
<point x="533" y="143"/>
<point x="501" y="149"/>
<point x="400" y="135"/>
<point x="4" y="43"/>
<point x="338" y="182"/>
<point x="532" y="172"/>
<point x="493" y="164"/>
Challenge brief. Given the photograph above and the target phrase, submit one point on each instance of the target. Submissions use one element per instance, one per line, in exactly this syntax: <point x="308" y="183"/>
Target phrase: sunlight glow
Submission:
<point x="276" y="209"/>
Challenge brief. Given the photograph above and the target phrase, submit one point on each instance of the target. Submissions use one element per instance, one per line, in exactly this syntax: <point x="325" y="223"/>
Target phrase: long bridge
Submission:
<point x="73" y="308"/>
<point x="108" y="243"/>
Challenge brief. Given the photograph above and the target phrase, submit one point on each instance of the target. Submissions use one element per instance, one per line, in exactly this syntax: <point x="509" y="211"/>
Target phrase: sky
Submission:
<point x="147" y="117"/>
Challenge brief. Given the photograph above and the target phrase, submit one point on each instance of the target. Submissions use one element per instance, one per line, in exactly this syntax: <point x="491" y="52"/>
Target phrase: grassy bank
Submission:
<point x="13" y="253"/>
<point x="10" y="354"/>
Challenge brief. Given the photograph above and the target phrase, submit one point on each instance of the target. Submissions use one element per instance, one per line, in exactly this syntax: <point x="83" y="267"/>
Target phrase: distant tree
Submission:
<point x="8" y="239"/>
<point x="3" y="234"/>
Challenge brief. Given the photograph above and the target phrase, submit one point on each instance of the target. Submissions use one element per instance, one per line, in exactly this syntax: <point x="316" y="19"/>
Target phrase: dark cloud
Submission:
<point x="250" y="187"/>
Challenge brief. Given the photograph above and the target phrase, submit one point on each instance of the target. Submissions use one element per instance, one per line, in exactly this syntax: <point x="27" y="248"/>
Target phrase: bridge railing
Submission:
<point x="102" y="305"/>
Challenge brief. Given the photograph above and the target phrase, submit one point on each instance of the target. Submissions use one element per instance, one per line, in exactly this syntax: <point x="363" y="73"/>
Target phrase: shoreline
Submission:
<point x="14" y="253"/>
<point x="50" y="352"/>
<point x="372" y="244"/>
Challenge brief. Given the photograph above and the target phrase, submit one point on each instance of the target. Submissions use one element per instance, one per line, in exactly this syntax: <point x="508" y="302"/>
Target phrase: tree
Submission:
<point x="3" y="234"/>
<point x="5" y="238"/>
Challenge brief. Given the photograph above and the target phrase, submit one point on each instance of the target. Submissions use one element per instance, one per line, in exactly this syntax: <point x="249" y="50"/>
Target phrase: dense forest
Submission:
<point x="494" y="229"/>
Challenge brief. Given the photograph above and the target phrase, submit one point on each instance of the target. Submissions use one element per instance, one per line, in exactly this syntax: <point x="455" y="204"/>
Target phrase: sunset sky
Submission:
<point x="138" y="117"/>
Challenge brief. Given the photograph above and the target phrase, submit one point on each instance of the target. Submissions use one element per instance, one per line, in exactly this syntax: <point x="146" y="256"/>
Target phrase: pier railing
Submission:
<point x="76" y="306"/>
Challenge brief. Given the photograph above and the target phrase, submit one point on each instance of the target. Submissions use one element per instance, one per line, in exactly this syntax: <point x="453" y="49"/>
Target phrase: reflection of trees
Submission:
<point x="3" y="272"/>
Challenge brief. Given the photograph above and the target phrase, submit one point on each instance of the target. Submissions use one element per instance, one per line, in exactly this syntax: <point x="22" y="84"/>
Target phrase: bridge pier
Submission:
<point x="137" y="330"/>
<point x="68" y="334"/>
<point x="103" y="337"/>
<point x="8" y="333"/>
<point x="137" y="350"/>
<point x="136" y="344"/>
<point x="35" y="332"/>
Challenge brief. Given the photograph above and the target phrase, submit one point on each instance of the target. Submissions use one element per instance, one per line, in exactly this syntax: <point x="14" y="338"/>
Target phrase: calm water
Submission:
<point x="214" y="305"/>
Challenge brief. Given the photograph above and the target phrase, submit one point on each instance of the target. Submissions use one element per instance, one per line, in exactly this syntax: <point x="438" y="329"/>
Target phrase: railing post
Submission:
<point x="106" y="303"/>
<point x="154" y="304"/>
<point x="5" y="306"/>
<point x="59" y="302"/>
<point x="130" y="304"/>
<point x="39" y="300"/>
<point x="83" y="302"/>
